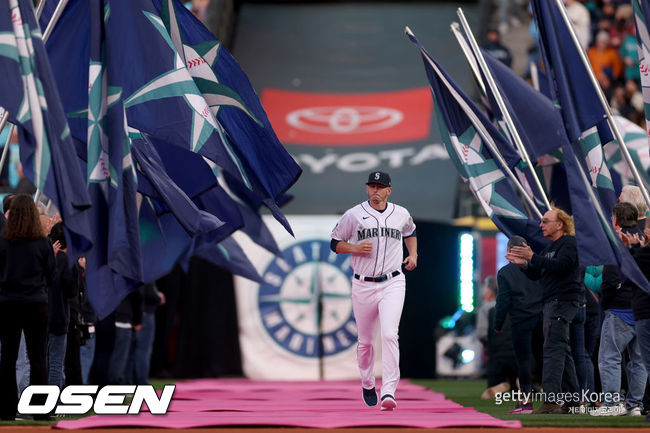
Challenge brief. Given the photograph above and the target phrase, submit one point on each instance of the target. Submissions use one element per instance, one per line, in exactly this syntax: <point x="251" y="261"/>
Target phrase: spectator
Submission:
<point x="618" y="334"/>
<point x="27" y="268"/>
<point x="632" y="194"/>
<point x="521" y="299"/>
<point x="629" y="54"/>
<point x="623" y="25"/>
<point x="128" y="319"/>
<point x="593" y="281"/>
<point x="140" y="356"/>
<point x="489" y="301"/>
<point x="558" y="270"/>
<point x="64" y="287"/>
<point x="581" y="20"/>
<point x="602" y="56"/>
<point x="496" y="48"/>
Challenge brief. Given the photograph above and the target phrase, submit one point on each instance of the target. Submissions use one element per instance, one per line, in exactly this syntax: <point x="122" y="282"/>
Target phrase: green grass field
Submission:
<point x="468" y="392"/>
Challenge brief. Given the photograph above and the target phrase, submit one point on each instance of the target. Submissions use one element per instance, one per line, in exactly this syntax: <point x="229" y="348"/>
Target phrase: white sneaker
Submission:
<point x="635" y="411"/>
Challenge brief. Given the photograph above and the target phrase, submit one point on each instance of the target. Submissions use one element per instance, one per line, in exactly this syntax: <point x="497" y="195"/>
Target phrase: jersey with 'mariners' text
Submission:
<point x="384" y="229"/>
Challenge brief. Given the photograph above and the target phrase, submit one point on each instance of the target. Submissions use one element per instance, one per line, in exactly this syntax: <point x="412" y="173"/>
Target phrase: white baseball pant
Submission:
<point x="383" y="301"/>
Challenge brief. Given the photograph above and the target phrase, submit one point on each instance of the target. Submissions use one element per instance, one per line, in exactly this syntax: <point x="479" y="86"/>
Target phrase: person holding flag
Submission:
<point x="558" y="270"/>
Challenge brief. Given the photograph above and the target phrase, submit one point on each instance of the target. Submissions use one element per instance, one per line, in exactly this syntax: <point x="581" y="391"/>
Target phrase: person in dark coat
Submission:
<point x="558" y="271"/>
<point x="63" y="288"/>
<point x="27" y="269"/>
<point x="520" y="298"/>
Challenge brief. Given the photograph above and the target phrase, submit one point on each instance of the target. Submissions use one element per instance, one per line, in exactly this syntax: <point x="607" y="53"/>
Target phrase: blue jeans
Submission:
<point x="120" y="356"/>
<point x="56" y="359"/>
<point x="592" y="334"/>
<point x="615" y="337"/>
<point x="23" y="370"/>
<point x="140" y="356"/>
<point x="577" y="342"/>
<point x="87" y="354"/>
<point x="642" y="328"/>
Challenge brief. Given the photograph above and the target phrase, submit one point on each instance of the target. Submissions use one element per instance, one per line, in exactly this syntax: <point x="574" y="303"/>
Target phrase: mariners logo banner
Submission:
<point x="298" y="324"/>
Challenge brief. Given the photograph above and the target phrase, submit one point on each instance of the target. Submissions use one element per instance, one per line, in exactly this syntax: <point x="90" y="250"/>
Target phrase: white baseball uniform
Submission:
<point x="382" y="299"/>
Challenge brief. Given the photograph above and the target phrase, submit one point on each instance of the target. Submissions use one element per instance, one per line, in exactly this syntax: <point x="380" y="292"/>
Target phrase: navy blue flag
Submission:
<point x="265" y="167"/>
<point x="184" y="206"/>
<point x="597" y="242"/>
<point x="584" y="117"/>
<point x="114" y="264"/>
<point x="28" y="91"/>
<point x="537" y="120"/>
<point x="460" y="121"/>
<point x="579" y="102"/>
<point x="229" y="255"/>
<point x="194" y="220"/>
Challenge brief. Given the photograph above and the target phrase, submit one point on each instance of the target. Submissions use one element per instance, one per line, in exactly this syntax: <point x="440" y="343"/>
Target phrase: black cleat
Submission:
<point x="370" y="397"/>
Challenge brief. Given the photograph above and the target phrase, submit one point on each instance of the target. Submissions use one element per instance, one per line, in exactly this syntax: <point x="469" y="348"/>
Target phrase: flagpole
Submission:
<point x="46" y="35"/>
<point x="3" y="119"/>
<point x="39" y="9"/>
<point x="502" y="106"/>
<point x="5" y="151"/>
<point x="605" y="104"/>
<point x="55" y="18"/>
<point x="484" y="135"/>
<point x="534" y="75"/>
<point x="595" y="200"/>
<point x="455" y="28"/>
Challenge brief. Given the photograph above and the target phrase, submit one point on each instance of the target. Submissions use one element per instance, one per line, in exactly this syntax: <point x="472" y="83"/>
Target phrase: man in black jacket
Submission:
<point x="641" y="302"/>
<point x="521" y="298"/>
<point x="558" y="270"/>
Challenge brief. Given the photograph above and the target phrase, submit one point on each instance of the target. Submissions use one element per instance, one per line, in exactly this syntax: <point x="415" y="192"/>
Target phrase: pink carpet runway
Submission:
<point x="332" y="404"/>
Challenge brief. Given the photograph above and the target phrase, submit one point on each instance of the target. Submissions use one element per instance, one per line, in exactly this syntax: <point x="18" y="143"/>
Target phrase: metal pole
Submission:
<point x="595" y="200"/>
<point x="534" y="75"/>
<point x="39" y="9"/>
<point x="4" y="118"/>
<point x="55" y="18"/>
<point x="484" y="135"/>
<point x="5" y="150"/>
<point x="46" y="35"/>
<point x="455" y="28"/>
<point x="502" y="106"/>
<point x="604" y="103"/>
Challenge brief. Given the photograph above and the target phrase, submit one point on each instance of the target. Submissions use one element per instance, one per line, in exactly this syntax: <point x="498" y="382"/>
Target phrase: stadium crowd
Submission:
<point x="606" y="31"/>
<point x="49" y="333"/>
<point x="588" y="327"/>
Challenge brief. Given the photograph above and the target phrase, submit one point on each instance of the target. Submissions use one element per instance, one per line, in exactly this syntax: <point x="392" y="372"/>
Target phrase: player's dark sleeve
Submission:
<point x="333" y="244"/>
<point x="412" y="235"/>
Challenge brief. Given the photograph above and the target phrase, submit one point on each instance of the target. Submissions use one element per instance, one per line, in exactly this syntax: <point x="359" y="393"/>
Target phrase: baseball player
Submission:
<point x="372" y="232"/>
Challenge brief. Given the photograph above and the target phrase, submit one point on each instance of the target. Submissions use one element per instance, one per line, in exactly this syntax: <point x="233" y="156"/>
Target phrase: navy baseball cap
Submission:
<point x="379" y="177"/>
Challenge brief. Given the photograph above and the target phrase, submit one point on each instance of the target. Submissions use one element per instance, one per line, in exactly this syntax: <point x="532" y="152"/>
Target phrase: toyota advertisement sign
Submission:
<point x="350" y="98"/>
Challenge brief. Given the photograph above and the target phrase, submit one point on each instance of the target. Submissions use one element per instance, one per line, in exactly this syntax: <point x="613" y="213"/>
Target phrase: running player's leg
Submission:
<point x="390" y="312"/>
<point x="364" y="306"/>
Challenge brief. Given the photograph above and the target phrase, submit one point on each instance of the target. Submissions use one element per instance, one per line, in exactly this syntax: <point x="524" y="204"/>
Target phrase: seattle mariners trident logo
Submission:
<point x="306" y="293"/>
